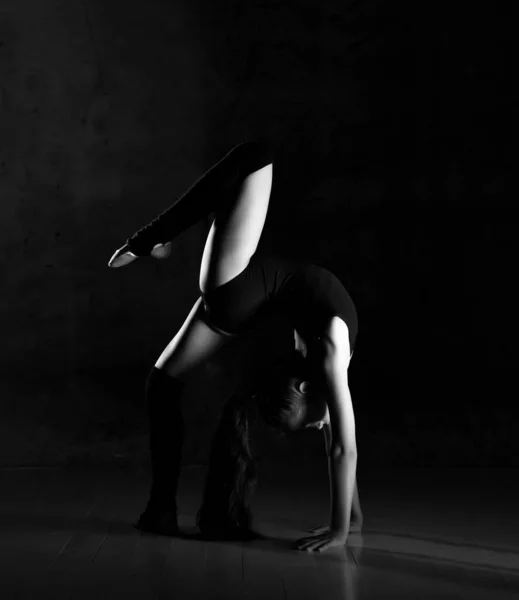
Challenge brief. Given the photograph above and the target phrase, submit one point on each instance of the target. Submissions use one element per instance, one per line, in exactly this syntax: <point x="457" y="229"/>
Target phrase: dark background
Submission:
<point x="392" y="125"/>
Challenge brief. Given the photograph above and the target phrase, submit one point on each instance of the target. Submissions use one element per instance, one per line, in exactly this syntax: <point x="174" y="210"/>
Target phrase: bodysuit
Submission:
<point x="303" y="293"/>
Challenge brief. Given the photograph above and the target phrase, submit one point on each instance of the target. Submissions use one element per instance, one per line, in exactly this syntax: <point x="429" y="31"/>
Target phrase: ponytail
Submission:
<point x="232" y="474"/>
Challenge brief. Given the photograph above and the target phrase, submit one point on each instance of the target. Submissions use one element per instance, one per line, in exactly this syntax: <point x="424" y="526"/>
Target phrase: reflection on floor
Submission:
<point x="427" y="534"/>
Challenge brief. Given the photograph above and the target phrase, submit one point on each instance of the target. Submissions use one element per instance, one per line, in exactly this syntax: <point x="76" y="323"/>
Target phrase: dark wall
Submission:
<point x="391" y="126"/>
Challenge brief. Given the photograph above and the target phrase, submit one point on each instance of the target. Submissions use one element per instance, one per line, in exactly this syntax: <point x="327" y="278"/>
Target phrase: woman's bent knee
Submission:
<point x="159" y="378"/>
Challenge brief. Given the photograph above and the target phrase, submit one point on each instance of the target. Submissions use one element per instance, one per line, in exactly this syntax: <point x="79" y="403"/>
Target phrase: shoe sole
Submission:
<point x="157" y="530"/>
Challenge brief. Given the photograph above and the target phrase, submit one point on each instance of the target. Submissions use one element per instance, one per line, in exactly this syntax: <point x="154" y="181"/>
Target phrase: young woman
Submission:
<point x="238" y="289"/>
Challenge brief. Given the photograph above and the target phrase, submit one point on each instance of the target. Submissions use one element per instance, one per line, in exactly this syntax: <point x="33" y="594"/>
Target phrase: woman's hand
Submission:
<point x="123" y="256"/>
<point x="321" y="529"/>
<point x="355" y="526"/>
<point x="322" y="539"/>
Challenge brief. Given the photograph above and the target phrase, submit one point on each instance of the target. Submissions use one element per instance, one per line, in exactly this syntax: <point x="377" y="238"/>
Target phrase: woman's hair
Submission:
<point x="278" y="398"/>
<point x="231" y="476"/>
<point x="232" y="473"/>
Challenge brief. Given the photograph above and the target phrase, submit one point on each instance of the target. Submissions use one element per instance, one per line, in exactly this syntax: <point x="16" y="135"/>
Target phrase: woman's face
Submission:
<point x="316" y="414"/>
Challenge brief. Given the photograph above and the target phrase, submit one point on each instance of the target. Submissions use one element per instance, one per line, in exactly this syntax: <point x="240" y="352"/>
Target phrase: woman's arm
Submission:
<point x="342" y="457"/>
<point x="342" y="471"/>
<point x="356" y="511"/>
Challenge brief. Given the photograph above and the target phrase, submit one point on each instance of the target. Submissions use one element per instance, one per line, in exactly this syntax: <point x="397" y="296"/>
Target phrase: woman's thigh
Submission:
<point x="236" y="231"/>
<point x="193" y="344"/>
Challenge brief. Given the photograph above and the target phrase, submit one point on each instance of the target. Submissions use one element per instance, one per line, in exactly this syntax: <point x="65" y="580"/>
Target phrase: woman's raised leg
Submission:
<point x="213" y="192"/>
<point x="236" y="231"/>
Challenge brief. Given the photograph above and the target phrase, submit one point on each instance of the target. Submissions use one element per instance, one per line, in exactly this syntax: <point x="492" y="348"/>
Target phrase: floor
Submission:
<point x="427" y="534"/>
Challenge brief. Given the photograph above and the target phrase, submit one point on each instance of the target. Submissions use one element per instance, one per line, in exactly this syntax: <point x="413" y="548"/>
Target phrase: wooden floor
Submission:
<point x="428" y="534"/>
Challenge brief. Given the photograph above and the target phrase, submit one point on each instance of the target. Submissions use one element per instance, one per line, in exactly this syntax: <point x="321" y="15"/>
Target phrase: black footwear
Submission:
<point x="230" y="534"/>
<point x="161" y="522"/>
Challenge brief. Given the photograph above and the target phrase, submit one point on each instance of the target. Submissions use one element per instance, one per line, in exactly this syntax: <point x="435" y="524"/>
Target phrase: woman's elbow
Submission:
<point x="344" y="451"/>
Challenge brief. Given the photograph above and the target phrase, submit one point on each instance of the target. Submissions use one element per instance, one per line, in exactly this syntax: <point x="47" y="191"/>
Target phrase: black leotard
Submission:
<point x="307" y="295"/>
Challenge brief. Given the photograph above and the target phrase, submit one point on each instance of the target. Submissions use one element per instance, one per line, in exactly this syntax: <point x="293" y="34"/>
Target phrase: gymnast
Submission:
<point x="238" y="288"/>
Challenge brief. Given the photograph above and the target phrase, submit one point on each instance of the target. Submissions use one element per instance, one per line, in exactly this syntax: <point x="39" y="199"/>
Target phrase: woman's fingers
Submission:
<point x="355" y="527"/>
<point x="121" y="258"/>
<point x="320" y="529"/>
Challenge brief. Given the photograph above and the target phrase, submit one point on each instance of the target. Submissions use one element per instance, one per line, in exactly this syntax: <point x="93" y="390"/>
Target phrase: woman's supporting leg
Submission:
<point x="212" y="191"/>
<point x="194" y="343"/>
<point x="167" y="432"/>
